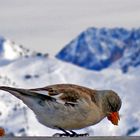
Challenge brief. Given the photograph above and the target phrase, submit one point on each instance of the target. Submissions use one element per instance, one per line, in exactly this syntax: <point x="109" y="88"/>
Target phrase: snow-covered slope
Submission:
<point x="38" y="71"/>
<point x="10" y="51"/>
<point x="98" y="48"/>
<point x="29" y="70"/>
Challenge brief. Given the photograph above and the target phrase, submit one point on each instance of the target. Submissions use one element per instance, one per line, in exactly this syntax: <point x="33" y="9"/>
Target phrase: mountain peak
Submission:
<point x="98" y="48"/>
<point x="10" y="51"/>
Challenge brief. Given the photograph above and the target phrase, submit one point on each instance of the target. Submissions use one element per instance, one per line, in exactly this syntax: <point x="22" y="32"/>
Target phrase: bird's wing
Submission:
<point x="67" y="94"/>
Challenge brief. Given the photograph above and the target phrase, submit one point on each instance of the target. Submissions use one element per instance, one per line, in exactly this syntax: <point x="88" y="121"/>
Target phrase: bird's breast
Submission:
<point x="68" y="117"/>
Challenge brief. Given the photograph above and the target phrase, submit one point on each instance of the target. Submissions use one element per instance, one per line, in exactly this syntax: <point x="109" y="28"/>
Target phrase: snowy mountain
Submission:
<point x="42" y="70"/>
<point x="10" y="51"/>
<point x="98" y="48"/>
<point x="45" y="71"/>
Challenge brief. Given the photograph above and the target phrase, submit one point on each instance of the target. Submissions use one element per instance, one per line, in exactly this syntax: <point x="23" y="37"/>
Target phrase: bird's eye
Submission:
<point x="112" y="108"/>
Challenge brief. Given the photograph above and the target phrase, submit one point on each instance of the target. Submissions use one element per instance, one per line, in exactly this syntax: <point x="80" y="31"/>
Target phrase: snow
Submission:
<point x="8" y="50"/>
<point x="52" y="71"/>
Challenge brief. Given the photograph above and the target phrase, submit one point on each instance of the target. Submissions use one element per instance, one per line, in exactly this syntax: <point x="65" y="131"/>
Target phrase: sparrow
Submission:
<point x="69" y="107"/>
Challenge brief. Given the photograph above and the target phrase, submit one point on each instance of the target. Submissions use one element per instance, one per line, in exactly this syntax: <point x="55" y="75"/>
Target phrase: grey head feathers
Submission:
<point x="111" y="102"/>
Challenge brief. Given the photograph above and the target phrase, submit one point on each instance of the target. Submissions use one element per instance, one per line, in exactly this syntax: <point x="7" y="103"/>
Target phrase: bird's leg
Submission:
<point x="74" y="134"/>
<point x="71" y="134"/>
<point x="65" y="134"/>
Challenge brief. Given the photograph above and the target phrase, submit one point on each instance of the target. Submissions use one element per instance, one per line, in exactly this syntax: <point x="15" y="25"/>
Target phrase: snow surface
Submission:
<point x="48" y="25"/>
<point x="38" y="71"/>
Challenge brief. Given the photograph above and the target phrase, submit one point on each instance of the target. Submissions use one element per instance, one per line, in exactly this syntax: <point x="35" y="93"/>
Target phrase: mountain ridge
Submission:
<point x="10" y="51"/>
<point x="41" y="70"/>
<point x="98" y="48"/>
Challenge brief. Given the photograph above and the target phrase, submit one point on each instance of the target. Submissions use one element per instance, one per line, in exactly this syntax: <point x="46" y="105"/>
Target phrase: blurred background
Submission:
<point x="49" y="25"/>
<point x="92" y="43"/>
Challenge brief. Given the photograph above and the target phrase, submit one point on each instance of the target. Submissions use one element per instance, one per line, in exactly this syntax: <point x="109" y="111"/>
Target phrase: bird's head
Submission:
<point x="111" y="106"/>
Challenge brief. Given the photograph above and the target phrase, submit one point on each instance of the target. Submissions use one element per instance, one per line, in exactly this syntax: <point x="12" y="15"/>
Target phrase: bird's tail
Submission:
<point x="6" y="88"/>
<point x="26" y="95"/>
<point x="14" y="91"/>
<point x="23" y="93"/>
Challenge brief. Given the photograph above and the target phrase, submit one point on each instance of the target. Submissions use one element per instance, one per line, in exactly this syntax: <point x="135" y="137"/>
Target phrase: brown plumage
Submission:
<point x="70" y="92"/>
<point x="68" y="106"/>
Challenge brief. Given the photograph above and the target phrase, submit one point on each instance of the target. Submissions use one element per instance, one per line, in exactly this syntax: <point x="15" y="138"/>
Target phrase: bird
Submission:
<point x="69" y="107"/>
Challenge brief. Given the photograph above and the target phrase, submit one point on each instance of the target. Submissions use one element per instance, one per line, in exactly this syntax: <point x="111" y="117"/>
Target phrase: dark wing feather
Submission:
<point x="68" y="93"/>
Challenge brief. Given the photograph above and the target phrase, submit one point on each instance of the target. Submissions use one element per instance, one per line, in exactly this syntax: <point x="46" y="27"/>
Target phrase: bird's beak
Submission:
<point x="114" y="117"/>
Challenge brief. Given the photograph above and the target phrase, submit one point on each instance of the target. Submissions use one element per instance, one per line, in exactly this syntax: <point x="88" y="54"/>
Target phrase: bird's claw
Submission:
<point x="83" y="135"/>
<point x="59" y="135"/>
<point x="73" y="134"/>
